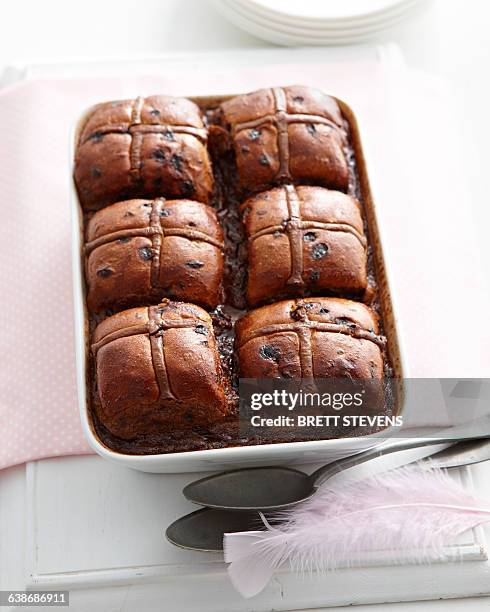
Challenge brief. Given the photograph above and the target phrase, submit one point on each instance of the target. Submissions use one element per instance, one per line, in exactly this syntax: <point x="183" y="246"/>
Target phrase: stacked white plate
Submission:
<point x="315" y="22"/>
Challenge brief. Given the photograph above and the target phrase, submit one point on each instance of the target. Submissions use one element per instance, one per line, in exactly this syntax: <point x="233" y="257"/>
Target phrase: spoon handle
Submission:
<point x="326" y="472"/>
<point x="477" y="429"/>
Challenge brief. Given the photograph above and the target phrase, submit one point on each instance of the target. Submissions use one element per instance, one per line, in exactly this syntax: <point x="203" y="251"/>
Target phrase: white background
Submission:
<point x="450" y="38"/>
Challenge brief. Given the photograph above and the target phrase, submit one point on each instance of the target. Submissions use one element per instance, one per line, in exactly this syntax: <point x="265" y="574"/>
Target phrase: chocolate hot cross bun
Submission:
<point x="313" y="337"/>
<point x="304" y="241"/>
<point x="158" y="370"/>
<point x="146" y="147"/>
<point x="287" y="134"/>
<point x="139" y="251"/>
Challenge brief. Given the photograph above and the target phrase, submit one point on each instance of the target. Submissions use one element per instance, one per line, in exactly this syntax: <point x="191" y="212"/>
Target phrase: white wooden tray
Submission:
<point x="94" y="526"/>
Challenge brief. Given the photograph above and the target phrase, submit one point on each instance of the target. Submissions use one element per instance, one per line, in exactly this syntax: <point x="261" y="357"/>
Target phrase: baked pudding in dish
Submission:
<point x="225" y="239"/>
<point x="146" y="147"/>
<point x="140" y="251"/>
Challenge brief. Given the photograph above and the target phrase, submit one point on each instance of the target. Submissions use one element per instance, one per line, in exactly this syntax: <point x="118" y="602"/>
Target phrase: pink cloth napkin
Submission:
<point x="424" y="229"/>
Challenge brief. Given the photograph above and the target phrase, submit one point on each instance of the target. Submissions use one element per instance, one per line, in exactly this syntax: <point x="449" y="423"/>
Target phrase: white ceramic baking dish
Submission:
<point x="228" y="458"/>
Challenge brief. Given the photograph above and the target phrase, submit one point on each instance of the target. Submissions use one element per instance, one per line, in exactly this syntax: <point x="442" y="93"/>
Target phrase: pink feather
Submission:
<point x="412" y="511"/>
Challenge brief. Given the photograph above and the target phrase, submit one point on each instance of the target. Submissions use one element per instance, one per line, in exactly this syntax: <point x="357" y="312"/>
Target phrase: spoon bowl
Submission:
<point x="203" y="530"/>
<point x="262" y="488"/>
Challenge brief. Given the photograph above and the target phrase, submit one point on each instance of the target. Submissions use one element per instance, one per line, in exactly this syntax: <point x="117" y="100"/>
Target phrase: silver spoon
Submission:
<point x="467" y="452"/>
<point x="203" y="530"/>
<point x="279" y="488"/>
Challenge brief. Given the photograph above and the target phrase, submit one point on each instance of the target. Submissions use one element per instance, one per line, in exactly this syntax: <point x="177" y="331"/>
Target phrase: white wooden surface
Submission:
<point x="115" y="518"/>
<point x="97" y="529"/>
